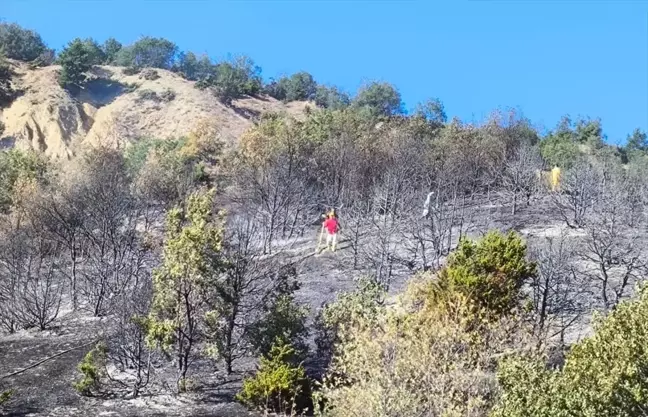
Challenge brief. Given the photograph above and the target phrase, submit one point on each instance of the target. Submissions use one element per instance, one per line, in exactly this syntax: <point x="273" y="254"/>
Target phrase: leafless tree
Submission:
<point x="381" y="234"/>
<point x="519" y="174"/>
<point x="61" y="216"/>
<point x="354" y="229"/>
<point x="31" y="284"/>
<point x="114" y="256"/>
<point x="556" y="290"/>
<point x="127" y="347"/>
<point x="611" y="250"/>
<point x="579" y="190"/>
<point x="274" y="191"/>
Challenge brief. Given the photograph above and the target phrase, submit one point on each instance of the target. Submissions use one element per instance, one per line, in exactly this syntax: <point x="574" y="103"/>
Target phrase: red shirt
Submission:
<point x="331" y="225"/>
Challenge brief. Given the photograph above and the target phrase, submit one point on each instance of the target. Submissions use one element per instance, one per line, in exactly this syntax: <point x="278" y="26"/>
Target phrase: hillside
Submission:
<point x="111" y="110"/>
<point x="144" y="272"/>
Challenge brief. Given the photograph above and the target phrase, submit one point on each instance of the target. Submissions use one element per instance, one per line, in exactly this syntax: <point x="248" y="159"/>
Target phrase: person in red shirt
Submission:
<point x="332" y="227"/>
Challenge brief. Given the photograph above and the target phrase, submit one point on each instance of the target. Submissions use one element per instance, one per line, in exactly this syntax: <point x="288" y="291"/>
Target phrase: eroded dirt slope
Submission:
<point x="112" y="110"/>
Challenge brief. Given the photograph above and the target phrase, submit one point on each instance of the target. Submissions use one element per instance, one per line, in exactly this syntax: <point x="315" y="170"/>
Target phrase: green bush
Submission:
<point x="204" y="83"/>
<point x="362" y="304"/>
<point x="234" y="79"/>
<point x="604" y="375"/>
<point x="137" y="154"/>
<point x="2" y="129"/>
<point x="5" y="396"/>
<point x="146" y="94"/>
<point x="285" y="320"/>
<point x="18" y="165"/>
<point x="76" y="60"/>
<point x="131" y="87"/>
<point x="149" y="74"/>
<point x="92" y="368"/>
<point x="331" y="98"/>
<point x="131" y="71"/>
<point x="96" y="54"/>
<point x="280" y="385"/>
<point x="193" y="68"/>
<point x="637" y="142"/>
<point x="489" y="272"/>
<point x="19" y="43"/>
<point x="167" y="95"/>
<point x="414" y="359"/>
<point x="148" y="52"/>
<point x="7" y="93"/>
<point x="433" y="112"/>
<point x="164" y="170"/>
<point x="379" y="99"/>
<point x="110" y="48"/>
<point x="276" y="89"/>
<point x="559" y="151"/>
<point x="300" y="86"/>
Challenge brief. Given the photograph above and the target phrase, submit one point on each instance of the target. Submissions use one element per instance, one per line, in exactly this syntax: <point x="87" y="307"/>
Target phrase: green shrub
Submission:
<point x="276" y="89"/>
<point x="331" y="98"/>
<point x="45" y="59"/>
<point x="413" y="359"/>
<point x="131" y="71"/>
<point x="92" y="367"/>
<point x="19" y="43"/>
<point x="16" y="165"/>
<point x="131" y="87"/>
<point x="279" y="385"/>
<point x="7" y="93"/>
<point x="2" y="129"/>
<point x="193" y="68"/>
<point x="110" y="49"/>
<point x="5" y="396"/>
<point x="282" y="318"/>
<point x="149" y="74"/>
<point x="362" y="304"/>
<point x="433" y="112"/>
<point x="379" y="99"/>
<point x="204" y="83"/>
<point x="488" y="272"/>
<point x="233" y="79"/>
<point x="148" y="52"/>
<point x="300" y="86"/>
<point x="76" y="60"/>
<point x="604" y="375"/>
<point x="147" y="94"/>
<point x="559" y="151"/>
<point x="167" y="95"/>
<point x="95" y="52"/>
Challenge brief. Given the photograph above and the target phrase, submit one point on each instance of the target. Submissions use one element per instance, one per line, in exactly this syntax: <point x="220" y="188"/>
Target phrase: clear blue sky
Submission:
<point x="549" y="58"/>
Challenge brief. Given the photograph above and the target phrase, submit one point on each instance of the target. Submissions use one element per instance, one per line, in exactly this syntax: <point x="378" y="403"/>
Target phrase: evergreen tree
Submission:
<point x="75" y="61"/>
<point x="191" y="259"/>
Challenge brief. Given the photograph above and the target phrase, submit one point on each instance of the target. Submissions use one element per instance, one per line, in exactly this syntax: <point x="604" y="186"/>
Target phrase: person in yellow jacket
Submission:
<point x="555" y="178"/>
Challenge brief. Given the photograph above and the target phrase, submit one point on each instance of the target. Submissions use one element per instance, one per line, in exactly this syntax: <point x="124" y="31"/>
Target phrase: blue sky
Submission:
<point x="548" y="58"/>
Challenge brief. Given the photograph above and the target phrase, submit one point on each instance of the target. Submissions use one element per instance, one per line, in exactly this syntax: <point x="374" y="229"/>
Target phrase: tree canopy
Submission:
<point x="19" y="43"/>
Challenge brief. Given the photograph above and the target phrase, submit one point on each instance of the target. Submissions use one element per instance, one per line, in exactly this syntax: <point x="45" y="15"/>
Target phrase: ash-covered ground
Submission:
<point x="46" y="389"/>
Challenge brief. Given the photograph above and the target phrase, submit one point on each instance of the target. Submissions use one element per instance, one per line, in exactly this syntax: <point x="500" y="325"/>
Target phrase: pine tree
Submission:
<point x="75" y="61"/>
